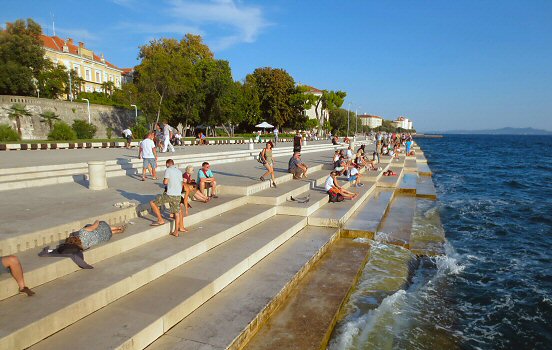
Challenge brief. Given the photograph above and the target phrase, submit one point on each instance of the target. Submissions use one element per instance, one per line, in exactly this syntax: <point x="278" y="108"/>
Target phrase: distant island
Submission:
<point x="501" y="131"/>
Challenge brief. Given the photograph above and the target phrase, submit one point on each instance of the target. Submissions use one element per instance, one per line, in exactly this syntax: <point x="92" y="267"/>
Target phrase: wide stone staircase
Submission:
<point x="213" y="287"/>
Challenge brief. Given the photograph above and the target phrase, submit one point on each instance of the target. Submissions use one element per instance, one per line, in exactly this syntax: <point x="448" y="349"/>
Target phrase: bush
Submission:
<point x="109" y="133"/>
<point x="140" y="130"/>
<point x="62" y="132"/>
<point x="7" y="133"/>
<point x="83" y="129"/>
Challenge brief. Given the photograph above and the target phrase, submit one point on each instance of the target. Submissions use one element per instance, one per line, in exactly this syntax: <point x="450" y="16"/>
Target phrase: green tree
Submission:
<point x="76" y="85"/>
<point x="83" y="130"/>
<point x="8" y="134"/>
<point x="62" y="132"/>
<point x="21" y="57"/>
<point x="108" y="87"/>
<point x="338" y="120"/>
<point x="140" y="130"/>
<point x="49" y="117"/>
<point x="275" y="88"/>
<point x="53" y="81"/>
<point x="15" y="112"/>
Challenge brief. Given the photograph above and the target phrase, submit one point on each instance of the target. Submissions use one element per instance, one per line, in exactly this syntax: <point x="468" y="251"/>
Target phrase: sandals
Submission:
<point x="157" y="224"/>
<point x="27" y="291"/>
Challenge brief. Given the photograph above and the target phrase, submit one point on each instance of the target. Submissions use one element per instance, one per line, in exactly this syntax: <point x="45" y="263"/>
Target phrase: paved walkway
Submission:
<point x="16" y="159"/>
<point x="28" y="210"/>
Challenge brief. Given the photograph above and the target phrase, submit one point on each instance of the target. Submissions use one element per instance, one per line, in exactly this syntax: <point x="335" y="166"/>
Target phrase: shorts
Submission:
<point x="174" y="202"/>
<point x="150" y="161"/>
<point x="353" y="178"/>
<point x="339" y="168"/>
<point x="297" y="173"/>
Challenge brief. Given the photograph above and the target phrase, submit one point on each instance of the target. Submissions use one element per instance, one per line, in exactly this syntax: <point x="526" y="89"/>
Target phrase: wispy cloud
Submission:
<point x="242" y="22"/>
<point x="77" y="34"/>
<point x="170" y="28"/>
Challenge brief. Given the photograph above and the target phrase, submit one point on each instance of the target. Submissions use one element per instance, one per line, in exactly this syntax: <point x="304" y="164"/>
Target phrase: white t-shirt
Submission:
<point x="349" y="154"/>
<point x="147" y="146"/>
<point x="167" y="130"/>
<point x="329" y="183"/>
<point x="127" y="132"/>
<point x="174" y="188"/>
<point x="354" y="171"/>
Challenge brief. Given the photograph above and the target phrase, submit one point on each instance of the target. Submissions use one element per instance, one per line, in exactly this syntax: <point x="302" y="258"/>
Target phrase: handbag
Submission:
<point x="260" y="159"/>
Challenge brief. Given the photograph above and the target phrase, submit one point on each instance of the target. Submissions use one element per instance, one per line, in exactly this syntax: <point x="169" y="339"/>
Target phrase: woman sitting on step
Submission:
<point x="12" y="265"/>
<point x="332" y="186"/>
<point x="93" y="234"/>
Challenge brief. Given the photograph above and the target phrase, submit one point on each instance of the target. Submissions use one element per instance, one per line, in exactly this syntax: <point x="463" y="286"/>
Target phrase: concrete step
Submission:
<point x="410" y="164"/>
<point x="397" y="224"/>
<point x="428" y="235"/>
<point x="67" y="299"/>
<point x="279" y="195"/>
<point x="40" y="270"/>
<point x="366" y="221"/>
<point x="407" y="184"/>
<point x="423" y="169"/>
<point x="306" y="318"/>
<point x="425" y="188"/>
<point x="255" y="186"/>
<point x="391" y="181"/>
<point x="232" y="316"/>
<point x="143" y="316"/>
<point x="336" y="214"/>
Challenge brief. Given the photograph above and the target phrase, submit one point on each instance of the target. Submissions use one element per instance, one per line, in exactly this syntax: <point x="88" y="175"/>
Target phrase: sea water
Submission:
<point x="493" y="287"/>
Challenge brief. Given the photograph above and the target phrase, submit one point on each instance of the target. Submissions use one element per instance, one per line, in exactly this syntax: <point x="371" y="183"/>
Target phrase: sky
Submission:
<point x="444" y="64"/>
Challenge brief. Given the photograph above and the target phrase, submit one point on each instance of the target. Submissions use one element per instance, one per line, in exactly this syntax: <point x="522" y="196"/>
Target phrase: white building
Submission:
<point x="410" y="125"/>
<point x="371" y="121"/>
<point x="311" y="113"/>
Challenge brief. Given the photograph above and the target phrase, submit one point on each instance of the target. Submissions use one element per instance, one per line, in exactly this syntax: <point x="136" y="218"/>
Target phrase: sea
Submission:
<point x="493" y="287"/>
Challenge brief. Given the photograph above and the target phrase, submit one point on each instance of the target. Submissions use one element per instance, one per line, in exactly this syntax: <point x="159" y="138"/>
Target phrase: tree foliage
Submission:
<point x="49" y="117"/>
<point x="62" y="132"/>
<point x="8" y="134"/>
<point x="16" y="112"/>
<point x="53" y="80"/>
<point x="83" y="130"/>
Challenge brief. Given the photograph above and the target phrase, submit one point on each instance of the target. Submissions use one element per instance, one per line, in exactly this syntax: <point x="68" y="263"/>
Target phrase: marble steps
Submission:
<point x="425" y="188"/>
<point x="67" y="299"/>
<point x="232" y="317"/>
<point x="336" y="214"/>
<point x="423" y="169"/>
<point x="408" y="183"/>
<point x="279" y="195"/>
<point x="40" y="270"/>
<point x="140" y="317"/>
<point x="397" y="223"/>
<point x="391" y="181"/>
<point x="428" y="235"/>
<point x="367" y="219"/>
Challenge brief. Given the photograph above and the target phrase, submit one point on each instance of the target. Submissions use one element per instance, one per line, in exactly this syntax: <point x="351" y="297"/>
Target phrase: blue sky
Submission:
<point x="445" y="64"/>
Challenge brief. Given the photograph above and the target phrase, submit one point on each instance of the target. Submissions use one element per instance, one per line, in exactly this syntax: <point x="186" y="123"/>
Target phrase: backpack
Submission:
<point x="335" y="197"/>
<point x="260" y="158"/>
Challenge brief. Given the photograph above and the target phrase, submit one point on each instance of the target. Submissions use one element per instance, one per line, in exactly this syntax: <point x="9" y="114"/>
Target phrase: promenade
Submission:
<point x="250" y="255"/>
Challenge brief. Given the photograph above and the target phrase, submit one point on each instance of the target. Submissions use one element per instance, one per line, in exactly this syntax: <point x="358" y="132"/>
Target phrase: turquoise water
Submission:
<point x="493" y="288"/>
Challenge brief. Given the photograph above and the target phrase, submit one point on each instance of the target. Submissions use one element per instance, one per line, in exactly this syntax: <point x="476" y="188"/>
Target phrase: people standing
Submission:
<point x="275" y="134"/>
<point x="148" y="153"/>
<point x="268" y="162"/>
<point x="127" y="134"/>
<point x="167" y="135"/>
<point x="173" y="181"/>
<point x="297" y="141"/>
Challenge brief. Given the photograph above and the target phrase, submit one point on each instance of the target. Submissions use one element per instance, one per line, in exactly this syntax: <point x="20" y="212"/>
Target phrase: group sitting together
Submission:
<point x="179" y="189"/>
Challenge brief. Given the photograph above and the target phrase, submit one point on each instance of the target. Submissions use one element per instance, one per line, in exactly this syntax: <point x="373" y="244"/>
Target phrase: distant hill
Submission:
<point x="502" y="131"/>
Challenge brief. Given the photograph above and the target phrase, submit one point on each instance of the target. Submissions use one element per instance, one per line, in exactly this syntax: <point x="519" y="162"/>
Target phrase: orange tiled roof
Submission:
<point x="313" y="89"/>
<point x="56" y="43"/>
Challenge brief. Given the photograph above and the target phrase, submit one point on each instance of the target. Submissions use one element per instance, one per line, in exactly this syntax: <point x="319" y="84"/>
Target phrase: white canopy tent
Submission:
<point x="264" y="125"/>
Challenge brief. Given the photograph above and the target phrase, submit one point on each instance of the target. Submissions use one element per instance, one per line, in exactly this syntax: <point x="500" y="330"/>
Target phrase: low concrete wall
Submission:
<point x="32" y="129"/>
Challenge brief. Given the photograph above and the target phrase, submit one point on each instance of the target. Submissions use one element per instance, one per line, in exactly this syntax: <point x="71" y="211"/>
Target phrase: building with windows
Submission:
<point x="403" y="123"/>
<point x="323" y="114"/>
<point x="371" y="121"/>
<point x="94" y="69"/>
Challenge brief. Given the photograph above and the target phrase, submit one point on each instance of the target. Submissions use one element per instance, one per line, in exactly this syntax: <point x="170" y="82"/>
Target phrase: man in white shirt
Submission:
<point x="275" y="131"/>
<point x="127" y="134"/>
<point x="167" y="135"/>
<point x="149" y="154"/>
<point x="173" y="196"/>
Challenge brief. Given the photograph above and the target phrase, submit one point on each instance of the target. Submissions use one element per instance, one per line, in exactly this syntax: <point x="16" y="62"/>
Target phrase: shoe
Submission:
<point x="360" y="185"/>
<point x="274" y="184"/>
<point x="262" y="179"/>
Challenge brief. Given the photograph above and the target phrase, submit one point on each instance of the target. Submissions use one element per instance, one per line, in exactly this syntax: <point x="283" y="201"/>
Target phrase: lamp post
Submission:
<point x="348" y="111"/>
<point x="356" y="119"/>
<point x="135" y="112"/>
<point x="70" y="87"/>
<point x="88" y="106"/>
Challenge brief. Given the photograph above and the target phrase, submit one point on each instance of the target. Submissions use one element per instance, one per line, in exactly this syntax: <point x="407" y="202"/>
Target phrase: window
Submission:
<point x="117" y="82"/>
<point x="87" y="74"/>
<point x="77" y="68"/>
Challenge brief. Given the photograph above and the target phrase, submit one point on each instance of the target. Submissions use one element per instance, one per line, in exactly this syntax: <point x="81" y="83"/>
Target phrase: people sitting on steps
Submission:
<point x="333" y="188"/>
<point x="267" y="160"/>
<point x="354" y="177"/>
<point x="190" y="187"/>
<point x="297" y="167"/>
<point x="206" y="180"/>
<point x="173" y="181"/>
<point x="11" y="264"/>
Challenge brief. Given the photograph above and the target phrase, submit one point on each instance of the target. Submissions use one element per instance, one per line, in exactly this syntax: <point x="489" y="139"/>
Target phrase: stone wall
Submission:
<point x="32" y="129"/>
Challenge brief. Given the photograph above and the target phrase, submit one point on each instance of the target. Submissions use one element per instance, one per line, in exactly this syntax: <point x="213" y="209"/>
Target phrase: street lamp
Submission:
<point x="135" y="112"/>
<point x="356" y="120"/>
<point x="88" y="105"/>
<point x="348" y="111"/>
